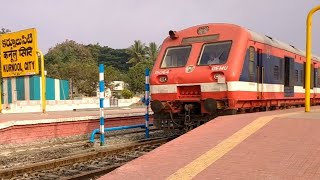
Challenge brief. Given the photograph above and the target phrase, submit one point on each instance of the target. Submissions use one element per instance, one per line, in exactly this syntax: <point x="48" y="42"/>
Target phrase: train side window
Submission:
<point x="312" y="77"/>
<point x="316" y="77"/>
<point x="297" y="76"/>
<point x="276" y="73"/>
<point x="251" y="62"/>
<point x="304" y="70"/>
<point x="302" y="77"/>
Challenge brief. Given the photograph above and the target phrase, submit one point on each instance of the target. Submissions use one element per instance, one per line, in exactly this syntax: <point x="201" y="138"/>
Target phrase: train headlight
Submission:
<point x="173" y="34"/>
<point x="163" y="79"/>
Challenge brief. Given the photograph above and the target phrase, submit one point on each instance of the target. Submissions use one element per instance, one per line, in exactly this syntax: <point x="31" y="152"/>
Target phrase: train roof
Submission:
<point x="279" y="44"/>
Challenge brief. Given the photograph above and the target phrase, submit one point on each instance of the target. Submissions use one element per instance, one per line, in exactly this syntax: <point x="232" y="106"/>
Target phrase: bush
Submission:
<point x="127" y="94"/>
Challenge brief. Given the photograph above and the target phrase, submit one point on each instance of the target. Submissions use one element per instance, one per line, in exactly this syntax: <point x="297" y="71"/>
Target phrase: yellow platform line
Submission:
<point x="195" y="167"/>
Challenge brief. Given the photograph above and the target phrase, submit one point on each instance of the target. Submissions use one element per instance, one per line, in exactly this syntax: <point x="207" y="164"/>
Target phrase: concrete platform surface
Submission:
<point x="282" y="144"/>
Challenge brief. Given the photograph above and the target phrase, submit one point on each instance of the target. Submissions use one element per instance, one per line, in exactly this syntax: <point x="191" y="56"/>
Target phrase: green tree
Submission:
<point x="83" y="76"/>
<point x="153" y="51"/>
<point x="73" y="61"/>
<point x="4" y="31"/>
<point x="116" y="58"/>
<point x="88" y="84"/>
<point x="137" y="52"/>
<point x="95" y="50"/>
<point x="126" y="93"/>
<point x="136" y="76"/>
<point x="113" y="74"/>
<point x="110" y="57"/>
<point x="79" y="64"/>
<point x="68" y="51"/>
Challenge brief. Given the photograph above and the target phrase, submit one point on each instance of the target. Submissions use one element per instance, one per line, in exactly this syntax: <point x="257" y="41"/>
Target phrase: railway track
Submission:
<point x="86" y="165"/>
<point x="10" y="158"/>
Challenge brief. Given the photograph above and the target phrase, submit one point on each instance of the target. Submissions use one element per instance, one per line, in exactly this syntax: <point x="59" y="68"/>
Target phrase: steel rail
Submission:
<point x="101" y="152"/>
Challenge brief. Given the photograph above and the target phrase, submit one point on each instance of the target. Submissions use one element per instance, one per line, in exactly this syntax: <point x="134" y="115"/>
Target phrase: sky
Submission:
<point x="118" y="23"/>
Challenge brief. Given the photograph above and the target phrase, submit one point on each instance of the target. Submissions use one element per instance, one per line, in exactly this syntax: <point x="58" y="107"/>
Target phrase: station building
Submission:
<point x="28" y="88"/>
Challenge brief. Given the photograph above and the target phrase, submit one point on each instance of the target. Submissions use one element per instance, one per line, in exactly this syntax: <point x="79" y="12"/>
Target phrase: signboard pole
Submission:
<point x="43" y="82"/>
<point x="1" y="95"/>
<point x="308" y="58"/>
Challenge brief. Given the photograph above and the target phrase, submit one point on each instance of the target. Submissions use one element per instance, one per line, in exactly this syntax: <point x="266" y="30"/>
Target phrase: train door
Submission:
<point x="289" y="77"/>
<point x="260" y="74"/>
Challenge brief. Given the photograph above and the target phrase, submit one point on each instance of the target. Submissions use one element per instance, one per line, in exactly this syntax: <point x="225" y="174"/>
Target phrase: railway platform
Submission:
<point x="282" y="144"/>
<point x="30" y="127"/>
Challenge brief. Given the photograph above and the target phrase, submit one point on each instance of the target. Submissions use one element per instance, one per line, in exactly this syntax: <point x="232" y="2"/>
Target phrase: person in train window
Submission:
<point x="213" y="60"/>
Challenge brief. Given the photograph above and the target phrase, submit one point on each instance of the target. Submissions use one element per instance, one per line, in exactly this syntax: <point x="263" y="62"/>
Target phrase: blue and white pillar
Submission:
<point x="146" y="98"/>
<point x="101" y="88"/>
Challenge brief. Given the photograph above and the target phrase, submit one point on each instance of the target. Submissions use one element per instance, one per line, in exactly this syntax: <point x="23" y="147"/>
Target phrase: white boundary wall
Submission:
<point x="62" y="105"/>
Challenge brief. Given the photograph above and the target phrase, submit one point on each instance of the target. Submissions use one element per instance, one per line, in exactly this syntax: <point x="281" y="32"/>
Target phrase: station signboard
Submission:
<point x="19" y="53"/>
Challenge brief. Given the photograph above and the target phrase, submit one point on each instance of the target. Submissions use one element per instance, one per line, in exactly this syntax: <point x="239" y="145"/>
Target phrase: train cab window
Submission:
<point x="176" y="57"/>
<point x="215" y="53"/>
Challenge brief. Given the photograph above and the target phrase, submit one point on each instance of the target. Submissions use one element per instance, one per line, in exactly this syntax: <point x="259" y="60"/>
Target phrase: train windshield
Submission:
<point x="176" y="57"/>
<point x="215" y="53"/>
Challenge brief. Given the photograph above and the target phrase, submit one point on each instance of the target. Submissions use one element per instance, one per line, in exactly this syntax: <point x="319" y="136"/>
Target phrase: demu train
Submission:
<point x="213" y="69"/>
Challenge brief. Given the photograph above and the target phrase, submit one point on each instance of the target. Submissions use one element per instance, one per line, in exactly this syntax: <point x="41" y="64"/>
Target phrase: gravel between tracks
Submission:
<point x="13" y="156"/>
<point x="93" y="164"/>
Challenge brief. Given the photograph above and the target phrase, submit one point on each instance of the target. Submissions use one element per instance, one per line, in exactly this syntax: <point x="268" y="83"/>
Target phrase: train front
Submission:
<point x="189" y="78"/>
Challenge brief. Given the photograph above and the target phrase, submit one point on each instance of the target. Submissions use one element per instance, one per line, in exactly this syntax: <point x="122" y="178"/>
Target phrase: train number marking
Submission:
<point x="160" y="72"/>
<point x="219" y="68"/>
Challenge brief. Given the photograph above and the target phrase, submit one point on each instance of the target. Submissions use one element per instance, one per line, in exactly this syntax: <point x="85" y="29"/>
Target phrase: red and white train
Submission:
<point x="212" y="69"/>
